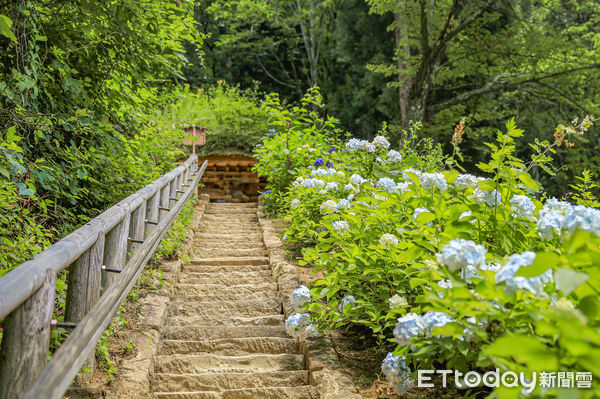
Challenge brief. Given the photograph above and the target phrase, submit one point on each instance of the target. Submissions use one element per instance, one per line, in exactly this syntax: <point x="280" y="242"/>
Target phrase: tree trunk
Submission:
<point x="403" y="52"/>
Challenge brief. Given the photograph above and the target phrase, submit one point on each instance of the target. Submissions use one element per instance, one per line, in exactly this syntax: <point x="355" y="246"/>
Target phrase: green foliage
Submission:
<point x="381" y="238"/>
<point x="175" y="237"/>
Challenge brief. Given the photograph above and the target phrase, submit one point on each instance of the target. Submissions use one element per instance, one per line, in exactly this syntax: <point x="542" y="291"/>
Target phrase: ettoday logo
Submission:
<point x="510" y="379"/>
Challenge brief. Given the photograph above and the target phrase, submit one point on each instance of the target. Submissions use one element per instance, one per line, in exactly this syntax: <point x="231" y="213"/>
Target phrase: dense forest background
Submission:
<point x="93" y="95"/>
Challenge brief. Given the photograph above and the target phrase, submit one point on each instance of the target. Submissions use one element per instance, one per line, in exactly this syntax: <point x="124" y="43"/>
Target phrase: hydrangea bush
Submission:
<point x="448" y="270"/>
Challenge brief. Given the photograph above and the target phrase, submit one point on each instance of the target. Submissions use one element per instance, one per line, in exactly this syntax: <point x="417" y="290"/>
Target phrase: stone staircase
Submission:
<point x="224" y="335"/>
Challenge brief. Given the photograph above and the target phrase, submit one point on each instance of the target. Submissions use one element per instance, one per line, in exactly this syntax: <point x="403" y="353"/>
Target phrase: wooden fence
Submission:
<point x="104" y="259"/>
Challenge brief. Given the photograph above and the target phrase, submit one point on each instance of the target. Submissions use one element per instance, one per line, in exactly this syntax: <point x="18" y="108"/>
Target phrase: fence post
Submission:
<point x="26" y="340"/>
<point x="115" y="250"/>
<point x="83" y="290"/>
<point x="137" y="227"/>
<point x="152" y="212"/>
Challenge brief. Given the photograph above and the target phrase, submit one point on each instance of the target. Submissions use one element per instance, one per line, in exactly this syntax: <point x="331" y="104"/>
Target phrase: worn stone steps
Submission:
<point x="221" y="269"/>
<point x="268" y="320"/>
<point x="227" y="381"/>
<point x="196" y="333"/>
<point x="229" y="252"/>
<point x="210" y="289"/>
<point x="231" y="346"/>
<point x="303" y="392"/>
<point x="200" y="363"/>
<point x="231" y="278"/>
<point x="239" y="308"/>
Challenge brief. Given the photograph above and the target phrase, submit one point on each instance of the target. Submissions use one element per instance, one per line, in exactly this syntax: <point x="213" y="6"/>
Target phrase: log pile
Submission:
<point x="230" y="179"/>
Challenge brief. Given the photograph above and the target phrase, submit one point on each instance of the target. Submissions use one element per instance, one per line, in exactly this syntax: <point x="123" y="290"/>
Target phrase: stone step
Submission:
<point x="229" y="252"/>
<point x="230" y="278"/>
<point x="201" y="243"/>
<point x="230" y="211"/>
<point x="238" y="308"/>
<point x="214" y="205"/>
<point x="232" y="296"/>
<point x="229" y="235"/>
<point x="212" y="289"/>
<point x="231" y="346"/>
<point x="202" y="363"/>
<point x="301" y="392"/>
<point x="227" y="381"/>
<point x="227" y="320"/>
<point x="231" y="218"/>
<point x="222" y="268"/>
<point x="208" y="332"/>
<point x="232" y="260"/>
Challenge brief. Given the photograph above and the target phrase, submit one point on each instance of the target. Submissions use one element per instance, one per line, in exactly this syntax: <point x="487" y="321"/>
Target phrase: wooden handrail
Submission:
<point x="27" y="292"/>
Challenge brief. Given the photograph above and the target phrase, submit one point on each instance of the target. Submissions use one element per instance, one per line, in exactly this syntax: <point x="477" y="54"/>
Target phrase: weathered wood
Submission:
<point x="19" y="284"/>
<point x="152" y="212"/>
<point x="164" y="201"/>
<point x="57" y="375"/>
<point x="115" y="251"/>
<point x="137" y="228"/>
<point x="26" y="340"/>
<point x="83" y="291"/>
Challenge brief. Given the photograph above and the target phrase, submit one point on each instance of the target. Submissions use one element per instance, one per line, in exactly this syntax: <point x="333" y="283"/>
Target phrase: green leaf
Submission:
<point x="528" y="181"/>
<point x="567" y="280"/>
<point x="523" y="349"/>
<point x="543" y="261"/>
<point x="5" y="25"/>
<point x="425" y="217"/>
<point x="24" y="190"/>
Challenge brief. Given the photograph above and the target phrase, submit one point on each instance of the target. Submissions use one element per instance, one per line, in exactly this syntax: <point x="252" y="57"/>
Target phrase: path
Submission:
<point x="224" y="336"/>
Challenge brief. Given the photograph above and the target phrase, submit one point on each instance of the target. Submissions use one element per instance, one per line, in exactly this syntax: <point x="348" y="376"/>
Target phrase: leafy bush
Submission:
<point x="454" y="271"/>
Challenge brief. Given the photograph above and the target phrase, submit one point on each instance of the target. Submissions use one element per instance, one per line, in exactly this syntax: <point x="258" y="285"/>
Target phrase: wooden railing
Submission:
<point x="104" y="259"/>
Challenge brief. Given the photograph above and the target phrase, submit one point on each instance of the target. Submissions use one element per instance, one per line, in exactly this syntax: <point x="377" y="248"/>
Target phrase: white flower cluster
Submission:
<point x="300" y="297"/>
<point x="490" y="198"/>
<point x="403" y="187"/>
<point x="461" y="254"/>
<point x="298" y="325"/>
<point x="397" y="372"/>
<point x="412" y="325"/>
<point x="331" y="186"/>
<point x="340" y="225"/>
<point x="316" y="183"/>
<point x="433" y="180"/>
<point x="348" y="300"/>
<point x="328" y="206"/>
<point x="349" y="187"/>
<point x="324" y="172"/>
<point x="381" y="142"/>
<point x="513" y="283"/>
<point x="378" y="142"/>
<point x="295" y="203"/>
<point x="397" y="302"/>
<point x="342" y="204"/>
<point x="522" y="206"/>
<point x="394" y="156"/>
<point x="405" y="172"/>
<point x="388" y="240"/>
<point x="387" y="184"/>
<point x="464" y="181"/>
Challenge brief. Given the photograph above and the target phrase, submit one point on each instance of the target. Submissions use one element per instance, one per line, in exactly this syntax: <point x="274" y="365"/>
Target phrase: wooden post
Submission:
<point x="152" y="212"/>
<point x="26" y="340"/>
<point x="165" y="203"/>
<point x="137" y="228"/>
<point x="115" y="251"/>
<point x="83" y="291"/>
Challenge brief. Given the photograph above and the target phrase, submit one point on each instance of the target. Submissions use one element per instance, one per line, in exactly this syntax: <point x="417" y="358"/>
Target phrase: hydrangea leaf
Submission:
<point x="567" y="280"/>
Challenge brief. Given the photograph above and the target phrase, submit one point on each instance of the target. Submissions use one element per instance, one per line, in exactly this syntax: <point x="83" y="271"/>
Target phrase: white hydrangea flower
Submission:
<point x="353" y="144"/>
<point x="323" y="172"/>
<point x="464" y="181"/>
<point x="460" y="253"/>
<point x="407" y="327"/>
<point x="403" y="187"/>
<point x="340" y="225"/>
<point x="445" y="284"/>
<point x="316" y="183"/>
<point x="331" y="186"/>
<point x="580" y="217"/>
<point x="369" y="147"/>
<point x="342" y="204"/>
<point x="406" y="177"/>
<point x="387" y="184"/>
<point x="394" y="156"/>
<point x="381" y="142"/>
<point x="388" y="240"/>
<point x="357" y="179"/>
<point x="397" y="373"/>
<point x="328" y="206"/>
<point x="349" y="187"/>
<point x="300" y="297"/>
<point x="522" y="206"/>
<point x="555" y="205"/>
<point x="490" y="198"/>
<point x="431" y="180"/>
<point x="550" y="224"/>
<point x="295" y="203"/>
<point x="397" y="302"/>
<point x="471" y="272"/>
<point x="340" y="173"/>
<point x="348" y="300"/>
<point x="513" y="283"/>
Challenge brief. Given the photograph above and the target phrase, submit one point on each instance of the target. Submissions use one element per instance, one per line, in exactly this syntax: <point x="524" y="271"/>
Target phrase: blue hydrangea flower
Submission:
<point x="513" y="283"/>
<point x="394" y="156"/>
<point x="329" y="164"/>
<point x="407" y="327"/>
<point x="316" y="183"/>
<point x="460" y="253"/>
<point x="272" y="132"/>
<point x="522" y="206"/>
<point x="580" y="217"/>
<point x="349" y="187"/>
<point x="331" y="186"/>
<point x="387" y="184"/>
<point x="397" y="373"/>
<point x="435" y="319"/>
<point x="342" y="204"/>
<point x="348" y="300"/>
<point x="490" y="198"/>
<point x="298" y="325"/>
<point x="357" y="179"/>
<point x="405" y="172"/>
<point x="388" y="241"/>
<point x="403" y="187"/>
<point x="353" y="144"/>
<point x="433" y="180"/>
<point x="300" y="297"/>
<point x="331" y="149"/>
<point x="323" y="172"/>
<point x="319" y="162"/>
<point x="381" y="142"/>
